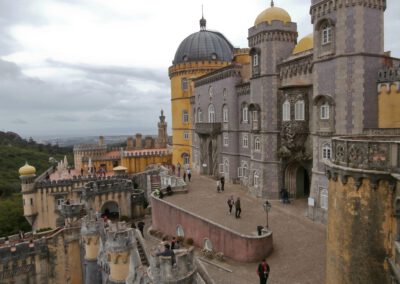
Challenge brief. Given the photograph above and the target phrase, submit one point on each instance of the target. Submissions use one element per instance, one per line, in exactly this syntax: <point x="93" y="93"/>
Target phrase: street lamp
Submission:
<point x="267" y="207"/>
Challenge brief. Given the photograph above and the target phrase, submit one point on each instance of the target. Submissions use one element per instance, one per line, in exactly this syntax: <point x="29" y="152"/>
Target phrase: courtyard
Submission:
<point x="299" y="252"/>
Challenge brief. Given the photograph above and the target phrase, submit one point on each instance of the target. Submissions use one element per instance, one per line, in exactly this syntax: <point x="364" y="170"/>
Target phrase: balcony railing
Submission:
<point x="210" y="129"/>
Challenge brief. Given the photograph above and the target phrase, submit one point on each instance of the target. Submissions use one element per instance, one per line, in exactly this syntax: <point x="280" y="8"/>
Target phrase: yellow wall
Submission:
<point x="389" y="105"/>
<point x="180" y="101"/>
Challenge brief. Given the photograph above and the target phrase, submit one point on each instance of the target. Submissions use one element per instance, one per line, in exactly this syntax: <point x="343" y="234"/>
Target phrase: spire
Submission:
<point x="272" y="3"/>
<point x="203" y="21"/>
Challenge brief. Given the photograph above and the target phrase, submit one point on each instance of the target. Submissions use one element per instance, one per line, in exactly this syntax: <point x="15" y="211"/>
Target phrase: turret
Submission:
<point x="138" y="141"/>
<point x="90" y="232"/>
<point x="27" y="176"/>
<point x="101" y="140"/>
<point x="162" y="132"/>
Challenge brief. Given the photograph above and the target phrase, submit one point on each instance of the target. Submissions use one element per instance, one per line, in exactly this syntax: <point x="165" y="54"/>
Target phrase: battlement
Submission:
<point x="119" y="237"/>
<point x="107" y="185"/>
<point x="90" y="147"/>
<point x="163" y="271"/>
<point x="389" y="74"/>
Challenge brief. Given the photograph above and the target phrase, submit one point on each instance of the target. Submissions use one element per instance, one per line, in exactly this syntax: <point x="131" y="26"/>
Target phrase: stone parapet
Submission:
<point x="389" y="74"/>
<point x="368" y="153"/>
<point x="208" y="129"/>
<point x="102" y="186"/>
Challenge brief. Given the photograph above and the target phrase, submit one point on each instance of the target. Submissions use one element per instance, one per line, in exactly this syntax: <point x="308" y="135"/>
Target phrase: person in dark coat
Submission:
<point x="184" y="176"/>
<point x="140" y="226"/>
<point x="263" y="271"/>
<point x="238" y="208"/>
<point x="168" y="252"/>
<point x="231" y="202"/>
<point x="222" y="183"/>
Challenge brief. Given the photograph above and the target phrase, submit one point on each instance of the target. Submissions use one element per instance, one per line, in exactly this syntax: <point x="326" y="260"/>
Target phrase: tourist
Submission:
<point x="168" y="252"/>
<point x="173" y="243"/>
<point x="169" y="190"/>
<point x="140" y="226"/>
<point x="231" y="201"/>
<point x="189" y="174"/>
<point x="238" y="208"/>
<point x="218" y="186"/>
<point x="222" y="183"/>
<point x="178" y="166"/>
<point x="263" y="271"/>
<point x="184" y="176"/>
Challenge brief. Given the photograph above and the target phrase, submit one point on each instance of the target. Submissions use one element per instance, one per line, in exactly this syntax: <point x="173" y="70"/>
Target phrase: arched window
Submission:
<point x="224" y="93"/>
<point x="179" y="231"/>
<point x="324" y="111"/>
<point x="245" y="113"/>
<point x="185" y="116"/>
<point x="186" y="159"/>
<point x="208" y="245"/>
<point x="255" y="60"/>
<point x="225" y="113"/>
<point x="256" y="179"/>
<point x="245" y="140"/>
<point x="226" y="139"/>
<point x="299" y="110"/>
<point x="326" y="33"/>
<point x="326" y="151"/>
<point x="199" y="115"/>
<point x="257" y="144"/>
<point x="286" y="111"/>
<point x="210" y="92"/>
<point x="211" y="113"/>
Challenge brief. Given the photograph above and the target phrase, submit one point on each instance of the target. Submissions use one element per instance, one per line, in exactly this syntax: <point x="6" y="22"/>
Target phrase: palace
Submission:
<point x="265" y="116"/>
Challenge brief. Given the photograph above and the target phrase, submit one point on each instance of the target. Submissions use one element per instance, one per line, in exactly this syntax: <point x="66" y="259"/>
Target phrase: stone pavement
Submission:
<point x="299" y="244"/>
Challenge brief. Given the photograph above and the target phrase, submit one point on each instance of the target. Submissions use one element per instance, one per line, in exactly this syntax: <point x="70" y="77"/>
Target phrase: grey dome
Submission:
<point x="204" y="45"/>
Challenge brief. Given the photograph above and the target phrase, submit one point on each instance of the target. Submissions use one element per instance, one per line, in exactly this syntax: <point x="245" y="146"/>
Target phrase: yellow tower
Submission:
<point x="27" y="175"/>
<point x="198" y="54"/>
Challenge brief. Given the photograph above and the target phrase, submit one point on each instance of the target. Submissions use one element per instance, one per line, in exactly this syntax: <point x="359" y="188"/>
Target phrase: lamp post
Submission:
<point x="267" y="207"/>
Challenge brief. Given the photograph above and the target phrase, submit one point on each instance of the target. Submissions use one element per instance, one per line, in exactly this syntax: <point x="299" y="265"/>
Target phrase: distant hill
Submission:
<point x="15" y="151"/>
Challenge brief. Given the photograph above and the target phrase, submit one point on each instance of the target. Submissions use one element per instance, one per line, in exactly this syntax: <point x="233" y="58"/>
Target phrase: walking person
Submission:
<point x="263" y="271"/>
<point x="184" y="176"/>
<point x="140" y="226"/>
<point x="231" y="201"/>
<point x="189" y="174"/>
<point x="222" y="183"/>
<point x="218" y="186"/>
<point x="238" y="208"/>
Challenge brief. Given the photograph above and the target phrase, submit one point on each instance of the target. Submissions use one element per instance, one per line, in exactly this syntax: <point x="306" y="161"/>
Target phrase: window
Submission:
<point x="326" y="34"/>
<point x="245" y="141"/>
<point x="179" y="231"/>
<point x="326" y="151"/>
<point x="186" y="159"/>
<point x="256" y="179"/>
<point x="245" y="114"/>
<point x="186" y="135"/>
<point x="199" y="115"/>
<point x="255" y="60"/>
<point x="211" y="113"/>
<point x="245" y="169"/>
<point x="210" y="92"/>
<point x="226" y="139"/>
<point x="240" y="172"/>
<point x="257" y="144"/>
<point x="224" y="93"/>
<point x="323" y="198"/>
<point x="185" y="116"/>
<point x="299" y="110"/>
<point x="255" y="116"/>
<point x="324" y="114"/>
<point x="208" y="245"/>
<point x="225" y="113"/>
<point x="184" y="84"/>
<point x="286" y="111"/>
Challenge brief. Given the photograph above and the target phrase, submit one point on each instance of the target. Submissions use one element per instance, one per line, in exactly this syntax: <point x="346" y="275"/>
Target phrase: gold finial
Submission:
<point x="272" y="3"/>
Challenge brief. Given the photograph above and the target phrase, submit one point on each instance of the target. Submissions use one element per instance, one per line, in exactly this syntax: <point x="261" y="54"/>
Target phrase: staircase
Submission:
<point x="142" y="254"/>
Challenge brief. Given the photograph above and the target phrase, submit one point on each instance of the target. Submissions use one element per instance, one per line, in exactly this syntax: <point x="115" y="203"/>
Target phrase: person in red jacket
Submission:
<point x="263" y="271"/>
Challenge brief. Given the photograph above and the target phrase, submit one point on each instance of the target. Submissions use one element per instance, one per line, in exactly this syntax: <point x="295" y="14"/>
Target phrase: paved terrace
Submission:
<point x="299" y="243"/>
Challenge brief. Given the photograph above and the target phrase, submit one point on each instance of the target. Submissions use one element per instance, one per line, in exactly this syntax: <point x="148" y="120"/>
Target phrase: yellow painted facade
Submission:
<point x="180" y="102"/>
<point x="389" y="105"/>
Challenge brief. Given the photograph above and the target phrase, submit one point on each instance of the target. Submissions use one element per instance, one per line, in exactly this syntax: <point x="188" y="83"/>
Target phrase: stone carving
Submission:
<point x="378" y="155"/>
<point x="340" y="152"/>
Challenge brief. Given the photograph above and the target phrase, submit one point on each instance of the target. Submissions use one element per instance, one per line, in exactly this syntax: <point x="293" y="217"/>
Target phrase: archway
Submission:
<point x="297" y="181"/>
<point x="110" y="209"/>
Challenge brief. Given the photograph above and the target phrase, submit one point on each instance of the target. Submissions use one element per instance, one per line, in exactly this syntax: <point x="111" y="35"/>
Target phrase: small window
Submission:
<point x="186" y="159"/>
<point x="286" y="111"/>
<point x="324" y="111"/>
<point x="214" y="56"/>
<point x="257" y="144"/>
<point x="226" y="139"/>
<point x="255" y="60"/>
<point x="210" y="92"/>
<point x="256" y="179"/>
<point x="299" y="110"/>
<point x="199" y="115"/>
<point x="185" y="58"/>
<point x="255" y="116"/>
<point x="185" y="116"/>
<point x="326" y="34"/>
<point x="179" y="231"/>
<point x="184" y="84"/>
<point x="211" y="113"/>
<point x="240" y="172"/>
<point x="186" y="135"/>
<point x="323" y="198"/>
<point x="245" y="114"/>
<point x="245" y="141"/>
<point x="225" y="113"/>
<point x="208" y="245"/>
<point x="326" y="151"/>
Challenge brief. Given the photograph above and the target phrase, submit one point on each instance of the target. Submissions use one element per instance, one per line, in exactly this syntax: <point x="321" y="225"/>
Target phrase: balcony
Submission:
<point x="208" y="129"/>
<point x="71" y="210"/>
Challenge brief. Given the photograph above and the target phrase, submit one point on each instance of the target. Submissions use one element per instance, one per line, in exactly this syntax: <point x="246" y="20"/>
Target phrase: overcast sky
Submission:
<point x="91" y="67"/>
